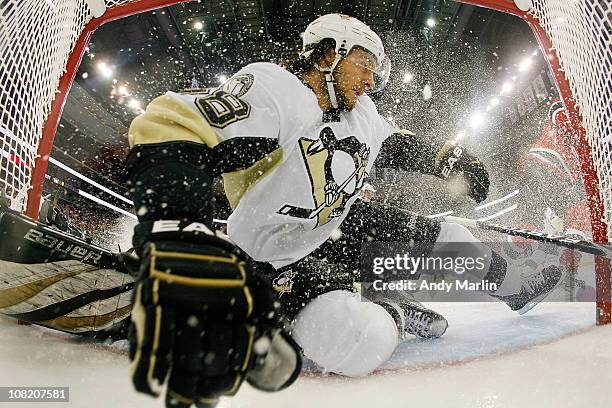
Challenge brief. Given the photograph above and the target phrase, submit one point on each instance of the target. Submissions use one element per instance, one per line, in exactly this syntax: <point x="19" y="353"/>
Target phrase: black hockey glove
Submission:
<point x="453" y="161"/>
<point x="202" y="319"/>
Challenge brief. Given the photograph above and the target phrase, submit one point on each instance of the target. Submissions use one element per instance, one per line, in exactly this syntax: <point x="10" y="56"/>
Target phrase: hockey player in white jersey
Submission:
<point x="294" y="148"/>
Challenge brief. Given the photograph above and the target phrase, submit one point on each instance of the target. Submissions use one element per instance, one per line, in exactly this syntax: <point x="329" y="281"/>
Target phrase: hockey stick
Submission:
<point x="337" y="192"/>
<point x="300" y="212"/>
<point x="580" y="245"/>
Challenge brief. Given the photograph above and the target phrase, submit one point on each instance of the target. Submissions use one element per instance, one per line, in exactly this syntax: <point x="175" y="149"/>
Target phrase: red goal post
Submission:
<point x="42" y="43"/>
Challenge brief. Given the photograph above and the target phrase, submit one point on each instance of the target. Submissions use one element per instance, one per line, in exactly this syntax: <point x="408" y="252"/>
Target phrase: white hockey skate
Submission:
<point x="411" y="317"/>
<point x="422" y="322"/>
<point x="534" y="289"/>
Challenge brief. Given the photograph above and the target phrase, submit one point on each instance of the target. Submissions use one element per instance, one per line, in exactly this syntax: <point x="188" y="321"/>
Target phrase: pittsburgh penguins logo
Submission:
<point x="283" y="283"/>
<point x="239" y="85"/>
<point x="337" y="169"/>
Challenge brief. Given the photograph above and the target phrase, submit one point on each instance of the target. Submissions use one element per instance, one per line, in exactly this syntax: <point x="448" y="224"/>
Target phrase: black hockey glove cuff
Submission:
<point x="453" y="161"/>
<point x="202" y="319"/>
<point x="171" y="180"/>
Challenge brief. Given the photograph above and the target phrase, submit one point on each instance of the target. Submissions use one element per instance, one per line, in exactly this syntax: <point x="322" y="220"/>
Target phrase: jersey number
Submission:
<point x="222" y="109"/>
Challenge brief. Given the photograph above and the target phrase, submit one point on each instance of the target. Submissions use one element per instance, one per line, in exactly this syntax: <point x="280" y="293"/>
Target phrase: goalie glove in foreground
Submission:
<point x="203" y="320"/>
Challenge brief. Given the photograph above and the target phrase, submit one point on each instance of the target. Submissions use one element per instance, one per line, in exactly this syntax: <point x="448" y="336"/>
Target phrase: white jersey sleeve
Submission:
<point x="250" y="104"/>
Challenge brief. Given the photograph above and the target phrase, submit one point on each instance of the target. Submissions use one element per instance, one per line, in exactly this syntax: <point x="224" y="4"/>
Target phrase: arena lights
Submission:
<point x="506" y="88"/>
<point x="430" y="22"/>
<point x="105" y="70"/>
<point x="524" y="65"/>
<point x="221" y="78"/>
<point x="134" y="104"/>
<point x="477" y="120"/>
<point x="427" y="92"/>
<point x="407" y="77"/>
<point x="492" y="103"/>
<point x="123" y="90"/>
<point x="198" y="25"/>
<point x="460" y="135"/>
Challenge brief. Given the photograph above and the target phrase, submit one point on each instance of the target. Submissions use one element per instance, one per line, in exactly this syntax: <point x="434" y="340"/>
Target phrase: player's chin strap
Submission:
<point x="332" y="114"/>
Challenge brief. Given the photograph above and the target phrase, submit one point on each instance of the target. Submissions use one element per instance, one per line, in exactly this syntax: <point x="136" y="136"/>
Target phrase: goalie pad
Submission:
<point x="52" y="279"/>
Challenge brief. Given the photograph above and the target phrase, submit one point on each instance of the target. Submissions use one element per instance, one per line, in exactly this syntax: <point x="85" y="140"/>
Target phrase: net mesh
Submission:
<point x="580" y="33"/>
<point x="36" y="38"/>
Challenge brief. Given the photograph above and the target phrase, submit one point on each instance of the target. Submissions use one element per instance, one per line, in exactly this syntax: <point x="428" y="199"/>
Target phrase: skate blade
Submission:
<point x="533" y="303"/>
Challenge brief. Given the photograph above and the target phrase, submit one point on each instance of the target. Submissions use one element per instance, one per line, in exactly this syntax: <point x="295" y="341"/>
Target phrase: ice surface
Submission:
<point x="490" y="357"/>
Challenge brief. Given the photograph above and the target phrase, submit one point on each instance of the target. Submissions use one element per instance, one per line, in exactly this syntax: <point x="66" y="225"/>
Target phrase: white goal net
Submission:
<point x="581" y="34"/>
<point x="37" y="40"/>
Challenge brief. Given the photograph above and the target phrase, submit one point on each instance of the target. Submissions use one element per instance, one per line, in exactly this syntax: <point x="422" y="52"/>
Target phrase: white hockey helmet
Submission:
<point x="348" y="32"/>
